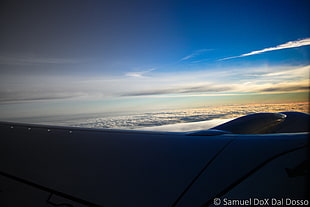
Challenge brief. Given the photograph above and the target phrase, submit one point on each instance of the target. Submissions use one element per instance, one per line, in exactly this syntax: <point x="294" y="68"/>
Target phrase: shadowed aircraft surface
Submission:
<point x="261" y="156"/>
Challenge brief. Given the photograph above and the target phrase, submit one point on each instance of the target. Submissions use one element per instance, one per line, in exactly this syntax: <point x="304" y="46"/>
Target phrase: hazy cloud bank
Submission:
<point x="152" y="83"/>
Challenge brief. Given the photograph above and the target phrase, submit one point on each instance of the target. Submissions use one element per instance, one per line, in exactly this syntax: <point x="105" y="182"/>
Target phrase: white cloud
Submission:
<point x="194" y="54"/>
<point x="139" y="74"/>
<point x="291" y="44"/>
<point x="187" y="57"/>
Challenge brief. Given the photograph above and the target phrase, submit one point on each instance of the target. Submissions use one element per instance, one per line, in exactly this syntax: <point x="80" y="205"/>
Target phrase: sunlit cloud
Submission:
<point x="291" y="44"/>
<point x="278" y="87"/>
<point x="301" y="72"/>
<point x="294" y="88"/>
<point x="236" y="80"/>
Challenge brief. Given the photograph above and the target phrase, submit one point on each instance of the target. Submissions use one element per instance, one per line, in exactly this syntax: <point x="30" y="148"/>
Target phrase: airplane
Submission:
<point x="256" y="160"/>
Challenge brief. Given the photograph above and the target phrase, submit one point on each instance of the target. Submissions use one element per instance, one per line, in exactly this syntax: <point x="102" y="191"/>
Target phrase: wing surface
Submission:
<point x="65" y="166"/>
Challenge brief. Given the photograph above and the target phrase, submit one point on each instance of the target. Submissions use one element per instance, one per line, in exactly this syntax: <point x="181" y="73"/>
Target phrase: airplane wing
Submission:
<point x="256" y="158"/>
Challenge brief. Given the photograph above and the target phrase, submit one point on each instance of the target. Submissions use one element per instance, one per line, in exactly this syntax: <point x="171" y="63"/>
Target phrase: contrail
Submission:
<point x="291" y="44"/>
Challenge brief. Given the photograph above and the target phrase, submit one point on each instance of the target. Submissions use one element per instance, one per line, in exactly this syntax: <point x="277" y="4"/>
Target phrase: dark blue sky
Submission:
<point x="101" y="49"/>
<point x="121" y="35"/>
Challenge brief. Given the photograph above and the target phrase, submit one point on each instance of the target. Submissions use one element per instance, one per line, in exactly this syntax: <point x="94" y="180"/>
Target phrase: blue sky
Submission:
<point x="60" y="57"/>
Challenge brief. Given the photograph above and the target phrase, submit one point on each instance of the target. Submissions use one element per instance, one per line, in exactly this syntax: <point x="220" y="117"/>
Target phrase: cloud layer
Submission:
<point x="184" y="120"/>
<point x="264" y="79"/>
<point x="291" y="44"/>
